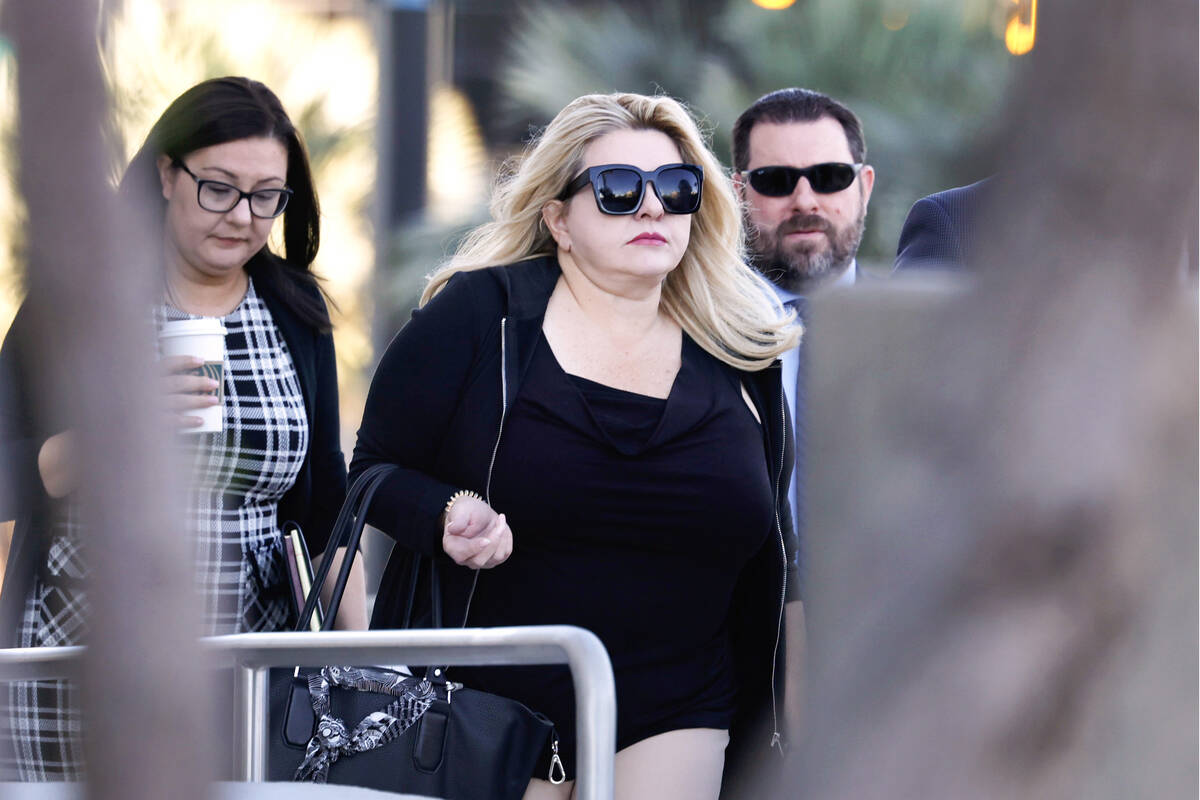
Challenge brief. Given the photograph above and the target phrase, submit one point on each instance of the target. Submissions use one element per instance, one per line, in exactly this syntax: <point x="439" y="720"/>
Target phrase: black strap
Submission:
<point x="414" y="574"/>
<point x="435" y="604"/>
<point x="347" y="531"/>
<point x="435" y="590"/>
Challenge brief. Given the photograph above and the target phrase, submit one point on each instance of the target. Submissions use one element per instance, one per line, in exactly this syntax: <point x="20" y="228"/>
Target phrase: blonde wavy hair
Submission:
<point x="723" y="304"/>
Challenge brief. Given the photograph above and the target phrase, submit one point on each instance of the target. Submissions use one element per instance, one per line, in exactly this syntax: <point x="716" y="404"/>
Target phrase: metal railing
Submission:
<point x="253" y="654"/>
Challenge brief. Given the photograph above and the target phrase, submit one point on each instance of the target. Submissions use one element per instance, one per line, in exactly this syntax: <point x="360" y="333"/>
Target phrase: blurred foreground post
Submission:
<point x="1003" y="585"/>
<point x="92" y="287"/>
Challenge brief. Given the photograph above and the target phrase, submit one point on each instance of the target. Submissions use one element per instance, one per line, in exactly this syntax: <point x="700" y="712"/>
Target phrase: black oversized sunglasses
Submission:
<point x="619" y="188"/>
<point x="823" y="178"/>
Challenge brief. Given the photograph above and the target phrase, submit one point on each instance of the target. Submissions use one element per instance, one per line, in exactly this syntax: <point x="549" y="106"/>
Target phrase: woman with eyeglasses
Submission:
<point x="590" y="430"/>
<point x="226" y="163"/>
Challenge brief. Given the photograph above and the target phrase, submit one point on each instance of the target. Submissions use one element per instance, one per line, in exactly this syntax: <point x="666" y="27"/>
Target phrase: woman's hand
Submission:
<point x="185" y="391"/>
<point x="474" y="535"/>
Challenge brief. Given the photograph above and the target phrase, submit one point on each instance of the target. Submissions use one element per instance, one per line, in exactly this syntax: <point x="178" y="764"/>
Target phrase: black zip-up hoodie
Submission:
<point x="436" y="409"/>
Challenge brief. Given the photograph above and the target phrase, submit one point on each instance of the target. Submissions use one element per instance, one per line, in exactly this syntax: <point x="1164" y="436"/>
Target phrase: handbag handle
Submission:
<point x="435" y="593"/>
<point x="347" y="531"/>
<point x="349" y="526"/>
<point x="435" y="605"/>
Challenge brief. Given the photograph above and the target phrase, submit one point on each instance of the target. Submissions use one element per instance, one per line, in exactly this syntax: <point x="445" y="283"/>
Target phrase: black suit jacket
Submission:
<point x="940" y="229"/>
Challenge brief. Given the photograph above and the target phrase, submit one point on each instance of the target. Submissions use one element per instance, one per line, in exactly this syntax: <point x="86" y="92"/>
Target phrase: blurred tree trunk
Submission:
<point x="90" y="289"/>
<point x="1003" y="489"/>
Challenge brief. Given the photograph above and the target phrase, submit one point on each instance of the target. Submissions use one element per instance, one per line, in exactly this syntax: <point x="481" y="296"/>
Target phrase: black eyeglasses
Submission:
<point x="619" y="188"/>
<point x="220" y="197"/>
<point x="823" y="178"/>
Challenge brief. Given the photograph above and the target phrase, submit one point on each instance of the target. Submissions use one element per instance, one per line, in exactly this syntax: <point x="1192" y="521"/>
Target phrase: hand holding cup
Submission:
<point x="193" y="372"/>
<point x="186" y="389"/>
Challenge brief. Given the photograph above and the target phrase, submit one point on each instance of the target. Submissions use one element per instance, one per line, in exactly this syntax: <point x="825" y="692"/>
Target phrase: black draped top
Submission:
<point x="632" y="516"/>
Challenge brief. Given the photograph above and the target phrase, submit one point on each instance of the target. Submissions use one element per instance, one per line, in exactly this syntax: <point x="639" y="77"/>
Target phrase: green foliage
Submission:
<point x="927" y="93"/>
<point x="414" y="252"/>
<point x="561" y="52"/>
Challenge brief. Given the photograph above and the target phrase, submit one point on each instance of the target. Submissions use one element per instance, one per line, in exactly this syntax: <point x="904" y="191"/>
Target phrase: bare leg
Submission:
<point x="545" y="790"/>
<point x="677" y="765"/>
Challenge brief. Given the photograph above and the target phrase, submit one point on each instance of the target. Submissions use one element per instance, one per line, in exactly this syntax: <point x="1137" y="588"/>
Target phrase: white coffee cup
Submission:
<point x="202" y="338"/>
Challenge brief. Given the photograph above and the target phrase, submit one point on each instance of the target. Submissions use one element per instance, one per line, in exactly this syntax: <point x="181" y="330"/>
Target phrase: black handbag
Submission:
<point x="382" y="729"/>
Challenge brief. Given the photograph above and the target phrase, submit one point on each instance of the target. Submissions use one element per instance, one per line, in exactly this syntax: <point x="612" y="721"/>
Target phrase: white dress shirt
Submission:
<point x="791" y="362"/>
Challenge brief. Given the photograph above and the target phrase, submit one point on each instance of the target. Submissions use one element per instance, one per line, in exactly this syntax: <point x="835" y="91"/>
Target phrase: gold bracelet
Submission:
<point x="458" y="495"/>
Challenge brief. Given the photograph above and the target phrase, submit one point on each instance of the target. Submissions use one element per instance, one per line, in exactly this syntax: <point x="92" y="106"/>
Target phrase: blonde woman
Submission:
<point x="587" y="407"/>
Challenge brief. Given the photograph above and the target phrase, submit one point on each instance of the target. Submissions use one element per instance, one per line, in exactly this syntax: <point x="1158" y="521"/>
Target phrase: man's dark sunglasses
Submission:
<point x="619" y="188"/>
<point x="823" y="178"/>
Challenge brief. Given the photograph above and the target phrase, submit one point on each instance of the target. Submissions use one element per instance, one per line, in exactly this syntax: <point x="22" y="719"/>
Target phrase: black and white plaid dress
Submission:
<point x="237" y="479"/>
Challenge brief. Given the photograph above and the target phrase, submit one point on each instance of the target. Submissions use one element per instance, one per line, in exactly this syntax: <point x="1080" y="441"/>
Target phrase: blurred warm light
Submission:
<point x="773" y="3"/>
<point x="895" y="18"/>
<point x="457" y="167"/>
<point x="1021" y="30"/>
<point x="12" y="205"/>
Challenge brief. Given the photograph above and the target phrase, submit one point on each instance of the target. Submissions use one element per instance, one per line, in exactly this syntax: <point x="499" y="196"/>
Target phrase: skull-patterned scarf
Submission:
<point x="332" y="739"/>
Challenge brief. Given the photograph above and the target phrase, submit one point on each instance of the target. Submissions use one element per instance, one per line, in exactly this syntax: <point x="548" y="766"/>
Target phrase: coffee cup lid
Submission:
<point x="191" y="327"/>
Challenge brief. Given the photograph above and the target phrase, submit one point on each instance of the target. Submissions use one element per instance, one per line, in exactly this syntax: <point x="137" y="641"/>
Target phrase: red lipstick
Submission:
<point x="648" y="238"/>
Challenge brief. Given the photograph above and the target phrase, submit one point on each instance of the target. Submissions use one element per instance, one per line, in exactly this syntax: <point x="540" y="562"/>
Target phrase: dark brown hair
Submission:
<point x="228" y="109"/>
<point x="795" y="105"/>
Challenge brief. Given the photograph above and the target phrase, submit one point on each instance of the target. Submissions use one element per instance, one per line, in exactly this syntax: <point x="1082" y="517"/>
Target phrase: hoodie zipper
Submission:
<point x="776" y="738"/>
<point x="487" y="489"/>
<point x="557" y="774"/>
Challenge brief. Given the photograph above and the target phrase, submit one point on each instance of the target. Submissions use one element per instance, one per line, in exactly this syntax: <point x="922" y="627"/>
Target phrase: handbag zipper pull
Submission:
<point x="557" y="773"/>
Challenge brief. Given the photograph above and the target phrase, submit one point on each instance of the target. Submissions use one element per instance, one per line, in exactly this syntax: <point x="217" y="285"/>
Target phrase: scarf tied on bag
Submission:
<point x="332" y="739"/>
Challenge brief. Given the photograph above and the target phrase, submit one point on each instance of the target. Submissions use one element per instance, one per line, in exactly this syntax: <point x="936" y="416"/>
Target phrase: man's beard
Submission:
<point x="801" y="266"/>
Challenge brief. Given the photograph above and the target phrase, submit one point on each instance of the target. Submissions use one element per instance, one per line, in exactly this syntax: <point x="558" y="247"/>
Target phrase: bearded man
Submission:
<point x="799" y="165"/>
